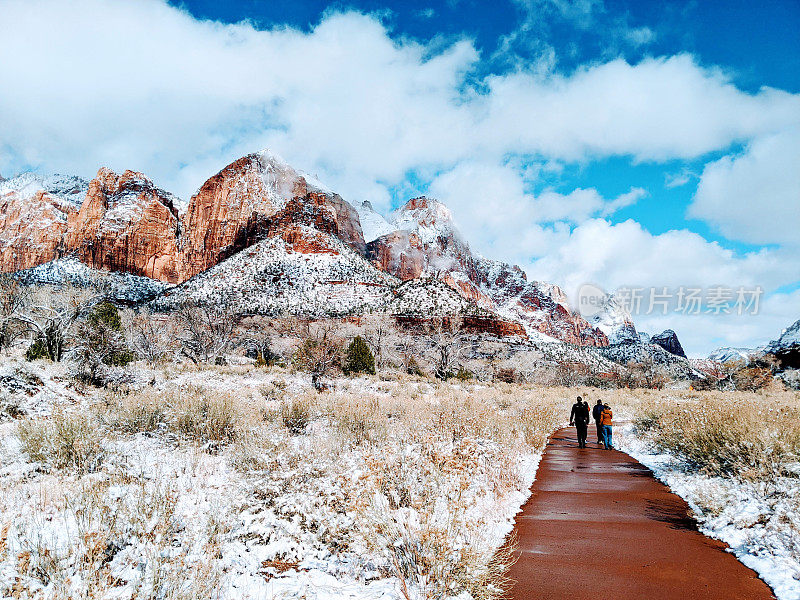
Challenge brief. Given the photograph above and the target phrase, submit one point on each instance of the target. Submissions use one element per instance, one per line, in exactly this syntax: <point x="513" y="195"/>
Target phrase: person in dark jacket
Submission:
<point x="597" y="413"/>
<point x="580" y="418"/>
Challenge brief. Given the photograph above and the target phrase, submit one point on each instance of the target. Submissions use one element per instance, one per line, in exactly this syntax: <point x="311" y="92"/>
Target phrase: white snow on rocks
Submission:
<point x="270" y="277"/>
<point x="65" y="187"/>
<point x="373" y="224"/>
<point x="124" y="287"/>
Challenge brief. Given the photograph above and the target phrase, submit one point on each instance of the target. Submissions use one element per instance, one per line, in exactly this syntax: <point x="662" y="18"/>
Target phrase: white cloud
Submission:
<point x="754" y="196"/>
<point x="143" y="85"/>
<point x="501" y="219"/>
<point x="626" y="255"/>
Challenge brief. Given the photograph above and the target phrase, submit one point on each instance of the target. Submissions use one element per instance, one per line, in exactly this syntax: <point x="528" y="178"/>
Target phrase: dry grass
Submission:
<point x="64" y="440"/>
<point x="192" y="413"/>
<point x="755" y="437"/>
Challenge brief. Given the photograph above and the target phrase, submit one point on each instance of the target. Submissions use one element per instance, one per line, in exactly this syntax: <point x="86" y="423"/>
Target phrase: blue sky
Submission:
<point x="619" y="143"/>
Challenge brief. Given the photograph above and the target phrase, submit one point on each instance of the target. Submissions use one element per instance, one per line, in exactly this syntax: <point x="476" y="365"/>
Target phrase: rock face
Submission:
<point x="127" y="224"/>
<point x="259" y="196"/>
<point x="427" y="243"/>
<point x="787" y="347"/>
<point x="614" y="320"/>
<point x="34" y="212"/>
<point x="668" y="340"/>
<point x="541" y="307"/>
<point x="258" y="210"/>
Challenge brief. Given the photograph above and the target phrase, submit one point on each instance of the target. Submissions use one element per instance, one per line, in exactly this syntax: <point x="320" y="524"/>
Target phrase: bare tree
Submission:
<point x="319" y="352"/>
<point x="448" y="344"/>
<point x="377" y="330"/>
<point x="206" y="332"/>
<point x="13" y="300"/>
<point x="154" y="338"/>
<point x="52" y="314"/>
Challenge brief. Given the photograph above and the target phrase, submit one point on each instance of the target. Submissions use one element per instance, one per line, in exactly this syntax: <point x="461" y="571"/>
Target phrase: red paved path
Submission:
<point x="599" y="525"/>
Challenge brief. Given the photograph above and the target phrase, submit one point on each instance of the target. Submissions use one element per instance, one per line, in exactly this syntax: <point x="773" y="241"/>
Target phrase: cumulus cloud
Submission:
<point x="144" y="85"/>
<point x="754" y="196"/>
<point x="501" y="219"/>
<point x="626" y="255"/>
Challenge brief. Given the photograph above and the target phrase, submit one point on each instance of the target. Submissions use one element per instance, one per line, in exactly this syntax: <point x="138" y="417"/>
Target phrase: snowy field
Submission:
<point x="243" y="482"/>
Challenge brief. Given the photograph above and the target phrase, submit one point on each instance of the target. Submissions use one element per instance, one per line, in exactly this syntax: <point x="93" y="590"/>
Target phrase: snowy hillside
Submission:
<point x="271" y="277"/>
<point x="427" y="297"/>
<point x="637" y="352"/>
<point x="70" y="188"/>
<point x="123" y="287"/>
<point x="790" y="337"/>
<point x="727" y="354"/>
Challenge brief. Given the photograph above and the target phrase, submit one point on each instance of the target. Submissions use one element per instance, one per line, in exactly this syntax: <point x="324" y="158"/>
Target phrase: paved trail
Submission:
<point x="598" y="526"/>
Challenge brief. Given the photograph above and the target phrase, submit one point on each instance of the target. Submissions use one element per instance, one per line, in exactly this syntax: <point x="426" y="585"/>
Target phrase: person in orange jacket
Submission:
<point x="606" y="422"/>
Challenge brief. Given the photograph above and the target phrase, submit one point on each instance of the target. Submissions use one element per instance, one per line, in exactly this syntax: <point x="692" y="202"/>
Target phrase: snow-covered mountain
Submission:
<point x="426" y="242"/>
<point x="614" y="320"/>
<point x="267" y="237"/>
<point x="728" y="354"/>
<point x="373" y="225"/>
<point x="311" y="273"/>
<point x="787" y="347"/>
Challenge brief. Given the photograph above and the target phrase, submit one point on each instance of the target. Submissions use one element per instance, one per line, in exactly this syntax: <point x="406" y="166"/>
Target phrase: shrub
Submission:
<point x="751" y="379"/>
<point x="192" y="413"/>
<point x="202" y="416"/>
<point x="506" y="375"/>
<point x="360" y="420"/>
<point x="37" y="350"/>
<point x="100" y="343"/>
<point x="726" y="438"/>
<point x="295" y="414"/>
<point x="464" y="374"/>
<point x="413" y="368"/>
<point x="64" y="440"/>
<point x="359" y="358"/>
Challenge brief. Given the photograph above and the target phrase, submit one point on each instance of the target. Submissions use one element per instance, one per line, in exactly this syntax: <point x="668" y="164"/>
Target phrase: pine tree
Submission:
<point x="359" y="358"/>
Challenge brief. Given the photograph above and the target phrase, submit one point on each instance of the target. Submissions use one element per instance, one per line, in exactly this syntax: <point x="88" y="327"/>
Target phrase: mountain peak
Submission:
<point x="65" y="187"/>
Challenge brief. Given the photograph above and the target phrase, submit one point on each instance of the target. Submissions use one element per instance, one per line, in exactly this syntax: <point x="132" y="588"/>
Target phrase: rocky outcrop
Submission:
<point x="254" y="197"/>
<point x="668" y="340"/>
<point x="489" y="324"/>
<point x="34" y="213"/>
<point x="787" y="347"/>
<point x="541" y="307"/>
<point x="427" y="242"/>
<point x="127" y="224"/>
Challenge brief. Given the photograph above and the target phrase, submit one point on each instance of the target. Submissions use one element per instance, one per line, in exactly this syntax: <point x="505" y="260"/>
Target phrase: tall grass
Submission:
<point x="192" y="413"/>
<point x="750" y="439"/>
<point x="64" y="440"/>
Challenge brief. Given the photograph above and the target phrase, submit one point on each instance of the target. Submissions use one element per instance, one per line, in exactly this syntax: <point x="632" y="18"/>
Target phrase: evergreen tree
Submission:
<point x="359" y="359"/>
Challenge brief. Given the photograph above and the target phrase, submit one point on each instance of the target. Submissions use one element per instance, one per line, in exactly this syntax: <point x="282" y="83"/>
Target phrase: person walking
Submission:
<point x="580" y="418"/>
<point x="606" y="421"/>
<point x="597" y="412"/>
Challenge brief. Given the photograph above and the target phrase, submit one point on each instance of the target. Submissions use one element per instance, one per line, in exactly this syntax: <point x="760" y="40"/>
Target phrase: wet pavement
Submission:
<point x="598" y="525"/>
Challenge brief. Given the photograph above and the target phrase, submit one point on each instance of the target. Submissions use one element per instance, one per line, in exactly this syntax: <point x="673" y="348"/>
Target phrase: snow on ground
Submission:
<point x="388" y="476"/>
<point x="760" y="521"/>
